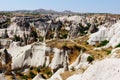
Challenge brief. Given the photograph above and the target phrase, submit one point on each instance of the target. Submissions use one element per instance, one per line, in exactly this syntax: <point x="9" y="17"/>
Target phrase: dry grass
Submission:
<point x="81" y="42"/>
<point x="67" y="74"/>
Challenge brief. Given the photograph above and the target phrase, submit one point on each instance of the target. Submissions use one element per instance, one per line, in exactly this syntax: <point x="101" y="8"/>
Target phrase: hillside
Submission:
<point x="59" y="46"/>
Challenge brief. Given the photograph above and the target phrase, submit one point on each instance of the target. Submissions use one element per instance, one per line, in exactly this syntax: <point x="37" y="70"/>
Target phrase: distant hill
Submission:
<point x="42" y="11"/>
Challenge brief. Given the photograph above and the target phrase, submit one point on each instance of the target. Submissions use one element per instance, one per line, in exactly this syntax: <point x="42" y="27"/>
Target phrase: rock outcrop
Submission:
<point x="59" y="60"/>
<point x="80" y="62"/>
<point x="106" y="33"/>
<point x="30" y="55"/>
<point x="101" y="70"/>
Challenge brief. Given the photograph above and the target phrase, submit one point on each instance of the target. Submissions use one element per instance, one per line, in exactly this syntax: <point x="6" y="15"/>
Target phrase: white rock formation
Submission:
<point x="58" y="59"/>
<point x="4" y="56"/>
<point x="111" y="34"/>
<point x="83" y="62"/>
<point x="99" y="36"/>
<point x="57" y="76"/>
<point x="115" y="53"/>
<point x="70" y="18"/>
<point x="6" y="42"/>
<point x="108" y="69"/>
<point x="75" y="77"/>
<point x="33" y="55"/>
<point x="2" y="32"/>
<point x="2" y="77"/>
<point x="38" y="77"/>
<point x="14" y="29"/>
<point x="77" y="61"/>
<point x="80" y="62"/>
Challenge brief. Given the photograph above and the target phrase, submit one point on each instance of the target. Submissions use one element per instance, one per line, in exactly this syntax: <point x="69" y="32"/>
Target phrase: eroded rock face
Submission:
<point x="92" y="29"/>
<point x="80" y="62"/>
<point x="37" y="54"/>
<point x="14" y="29"/>
<point x="101" y="70"/>
<point x="30" y="55"/>
<point x="5" y="56"/>
<point x="38" y="77"/>
<point x="115" y="53"/>
<point x="2" y="77"/>
<point x="106" y="33"/>
<point x="56" y="75"/>
<point x="98" y="36"/>
<point x="4" y="22"/>
<point x="59" y="60"/>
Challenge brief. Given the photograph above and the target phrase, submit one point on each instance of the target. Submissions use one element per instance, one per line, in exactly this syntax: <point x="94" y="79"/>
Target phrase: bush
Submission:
<point x="51" y="35"/>
<point x="77" y="47"/>
<point x="31" y="68"/>
<point x="117" y="46"/>
<point x="48" y="72"/>
<point x="24" y="77"/>
<point x="40" y="38"/>
<point x="108" y="52"/>
<point x="31" y="74"/>
<point x="38" y="69"/>
<point x="34" y="35"/>
<point x="103" y="43"/>
<point x="90" y="58"/>
<point x="16" y="38"/>
<point x="73" y="69"/>
<point x="63" y="34"/>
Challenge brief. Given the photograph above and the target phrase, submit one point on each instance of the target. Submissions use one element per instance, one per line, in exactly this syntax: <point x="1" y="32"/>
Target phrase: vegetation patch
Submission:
<point x="90" y="58"/>
<point x="31" y="74"/>
<point x="103" y="43"/>
<point x="108" y="52"/>
<point x="16" y="38"/>
<point x="24" y="77"/>
<point x="117" y="46"/>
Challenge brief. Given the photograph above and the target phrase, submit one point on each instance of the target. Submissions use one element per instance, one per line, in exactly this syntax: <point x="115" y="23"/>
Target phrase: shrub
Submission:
<point x="103" y="43"/>
<point x="77" y="47"/>
<point x="117" y="46"/>
<point x="38" y="69"/>
<point x="34" y="35"/>
<point x="31" y="74"/>
<point x="72" y="68"/>
<point x="51" y="35"/>
<point x="63" y="34"/>
<point x="65" y="47"/>
<point x="108" y="52"/>
<point x="40" y="38"/>
<point x="16" y="38"/>
<point x="31" y="68"/>
<point x="18" y="71"/>
<point x="88" y="25"/>
<point x="24" y="77"/>
<point x="48" y="72"/>
<point x="90" y="58"/>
